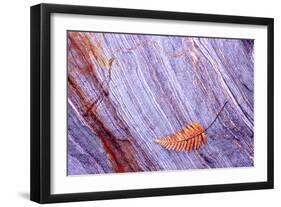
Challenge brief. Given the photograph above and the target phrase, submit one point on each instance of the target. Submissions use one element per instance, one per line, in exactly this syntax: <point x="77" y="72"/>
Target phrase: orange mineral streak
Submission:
<point x="108" y="140"/>
<point x="81" y="60"/>
<point x="187" y="139"/>
<point x="95" y="51"/>
<point x="91" y="49"/>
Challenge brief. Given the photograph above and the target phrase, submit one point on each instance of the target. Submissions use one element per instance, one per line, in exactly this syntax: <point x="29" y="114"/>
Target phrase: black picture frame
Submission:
<point x="41" y="95"/>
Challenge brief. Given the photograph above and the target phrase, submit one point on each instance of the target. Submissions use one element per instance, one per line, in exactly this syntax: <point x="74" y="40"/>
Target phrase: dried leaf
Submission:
<point x="187" y="139"/>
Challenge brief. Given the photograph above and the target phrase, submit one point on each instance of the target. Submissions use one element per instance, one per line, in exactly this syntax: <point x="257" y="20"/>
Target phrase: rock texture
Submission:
<point x="126" y="90"/>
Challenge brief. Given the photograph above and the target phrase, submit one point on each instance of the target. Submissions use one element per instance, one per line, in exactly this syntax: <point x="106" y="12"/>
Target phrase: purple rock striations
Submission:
<point x="126" y="90"/>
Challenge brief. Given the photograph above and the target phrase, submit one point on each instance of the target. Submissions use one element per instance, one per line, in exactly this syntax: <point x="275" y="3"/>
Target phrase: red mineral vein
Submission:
<point x="96" y="125"/>
<point x="122" y="156"/>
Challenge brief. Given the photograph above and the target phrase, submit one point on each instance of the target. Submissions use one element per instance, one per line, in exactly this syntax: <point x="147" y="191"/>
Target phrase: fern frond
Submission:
<point x="187" y="139"/>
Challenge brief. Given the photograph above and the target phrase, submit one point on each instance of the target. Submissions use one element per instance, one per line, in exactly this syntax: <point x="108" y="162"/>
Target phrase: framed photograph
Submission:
<point x="132" y="103"/>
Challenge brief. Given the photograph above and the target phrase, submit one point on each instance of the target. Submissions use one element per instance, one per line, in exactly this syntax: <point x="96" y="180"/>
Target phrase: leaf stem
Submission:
<point x="216" y="116"/>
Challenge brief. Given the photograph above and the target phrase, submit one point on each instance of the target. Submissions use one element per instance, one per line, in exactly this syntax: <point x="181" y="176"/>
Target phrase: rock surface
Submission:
<point x="126" y="90"/>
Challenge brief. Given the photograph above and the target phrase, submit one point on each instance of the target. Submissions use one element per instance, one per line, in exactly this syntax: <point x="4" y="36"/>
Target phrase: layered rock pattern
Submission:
<point x="127" y="90"/>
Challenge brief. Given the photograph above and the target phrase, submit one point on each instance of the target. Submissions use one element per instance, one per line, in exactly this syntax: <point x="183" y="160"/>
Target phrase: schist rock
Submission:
<point x="125" y="91"/>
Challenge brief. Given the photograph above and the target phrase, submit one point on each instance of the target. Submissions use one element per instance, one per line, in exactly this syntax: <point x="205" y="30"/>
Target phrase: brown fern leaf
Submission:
<point x="189" y="138"/>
